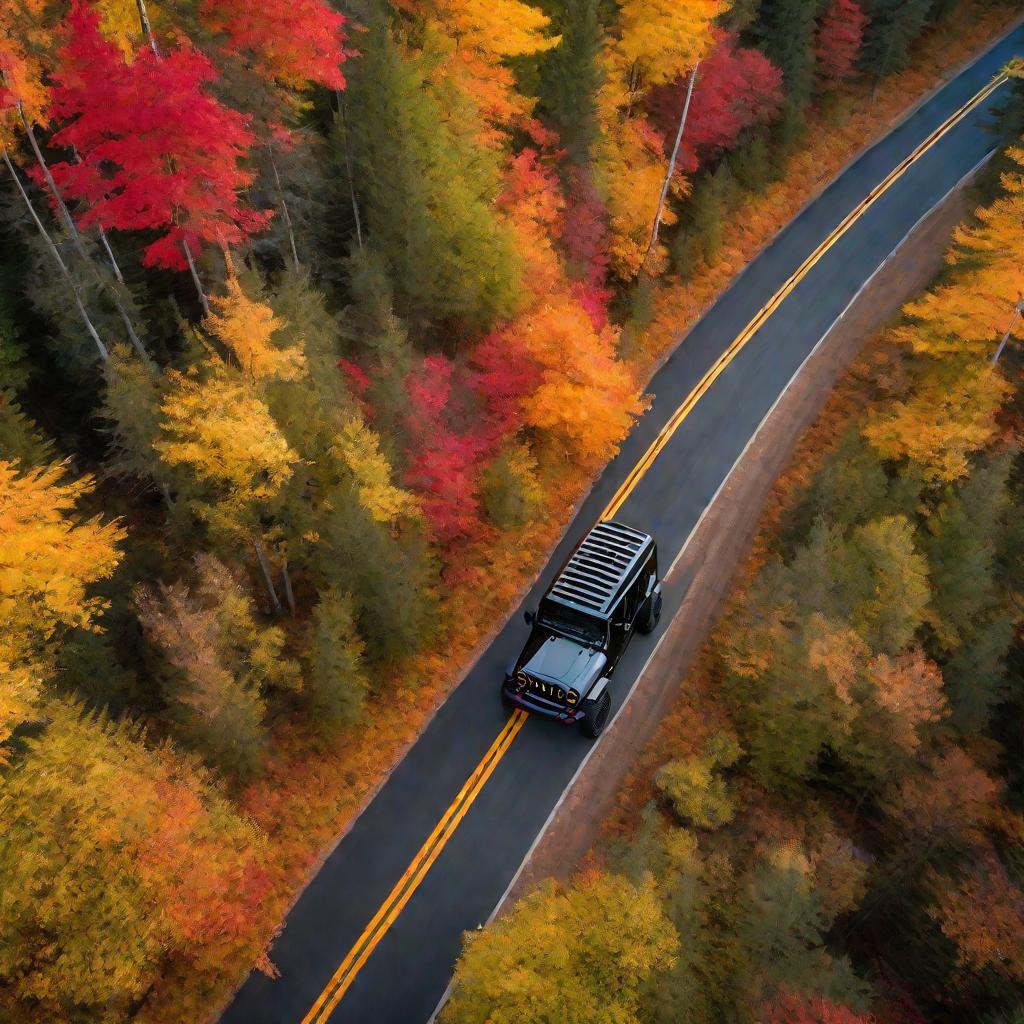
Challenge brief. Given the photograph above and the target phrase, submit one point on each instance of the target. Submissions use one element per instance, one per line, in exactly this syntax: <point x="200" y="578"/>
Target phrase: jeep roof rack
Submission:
<point x="599" y="568"/>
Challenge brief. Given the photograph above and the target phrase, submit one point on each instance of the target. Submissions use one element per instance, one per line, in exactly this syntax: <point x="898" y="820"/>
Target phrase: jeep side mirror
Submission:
<point x="530" y="617"/>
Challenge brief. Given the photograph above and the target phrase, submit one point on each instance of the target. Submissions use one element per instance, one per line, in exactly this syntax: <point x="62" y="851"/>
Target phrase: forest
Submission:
<point x="315" y="320"/>
<point x="829" y="828"/>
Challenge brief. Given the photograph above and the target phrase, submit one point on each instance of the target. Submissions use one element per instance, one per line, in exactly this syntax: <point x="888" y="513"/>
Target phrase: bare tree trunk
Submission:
<point x="348" y="169"/>
<point x="1017" y="310"/>
<point x="69" y="223"/>
<point x="104" y="354"/>
<point x="195" y="277"/>
<point x="147" y="27"/>
<point x="672" y="162"/>
<point x="289" y="594"/>
<point x="261" y="556"/>
<point x="284" y="205"/>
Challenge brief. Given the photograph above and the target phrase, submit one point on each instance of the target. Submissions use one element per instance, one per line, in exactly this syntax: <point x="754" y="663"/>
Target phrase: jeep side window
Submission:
<point x="628" y="605"/>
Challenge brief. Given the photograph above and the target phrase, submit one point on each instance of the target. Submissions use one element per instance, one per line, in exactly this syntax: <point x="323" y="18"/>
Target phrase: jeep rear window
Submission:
<point x="572" y="623"/>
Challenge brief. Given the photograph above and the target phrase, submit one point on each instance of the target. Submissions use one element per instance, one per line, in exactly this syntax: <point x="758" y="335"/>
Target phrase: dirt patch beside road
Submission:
<point x="722" y="543"/>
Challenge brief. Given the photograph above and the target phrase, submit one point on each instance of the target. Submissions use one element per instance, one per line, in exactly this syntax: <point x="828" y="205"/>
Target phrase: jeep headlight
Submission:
<point x="572" y="698"/>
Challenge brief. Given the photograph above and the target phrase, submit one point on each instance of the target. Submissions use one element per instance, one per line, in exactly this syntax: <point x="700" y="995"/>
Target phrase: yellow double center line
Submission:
<point x="445" y="828"/>
<point x="409" y="882"/>
<point x="748" y="332"/>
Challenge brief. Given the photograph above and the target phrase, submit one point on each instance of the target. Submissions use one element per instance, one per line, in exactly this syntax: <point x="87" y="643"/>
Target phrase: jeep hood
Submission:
<point x="569" y="664"/>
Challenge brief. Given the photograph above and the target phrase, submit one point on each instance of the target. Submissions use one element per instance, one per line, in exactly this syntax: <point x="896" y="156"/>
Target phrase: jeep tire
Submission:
<point x="595" y="715"/>
<point x="647" y="621"/>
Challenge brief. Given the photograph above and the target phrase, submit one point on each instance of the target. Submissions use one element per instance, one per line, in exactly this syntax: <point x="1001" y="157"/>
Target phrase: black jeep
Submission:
<point x="606" y="591"/>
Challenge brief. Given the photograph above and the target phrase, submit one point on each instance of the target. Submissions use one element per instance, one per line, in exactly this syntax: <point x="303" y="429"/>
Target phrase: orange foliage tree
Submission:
<point x="657" y="41"/>
<point x="117" y="859"/>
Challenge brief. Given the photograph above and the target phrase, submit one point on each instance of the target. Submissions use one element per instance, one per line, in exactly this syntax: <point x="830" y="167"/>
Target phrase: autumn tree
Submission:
<point x="981" y="910"/>
<point x="177" y="171"/>
<point x="965" y="316"/>
<point x="223" y="662"/>
<point x="581" y="380"/>
<point x="246" y="329"/>
<point x="791" y="1008"/>
<point x="292" y="42"/>
<point x="49" y="558"/>
<point x="117" y="857"/>
<point x="657" y="42"/>
<point x="579" y="956"/>
<point x="224" y="435"/>
<point x="694" y="788"/>
<point x="738" y="89"/>
<point x="948" y="416"/>
<point x="838" y="43"/>
<point x="481" y="38"/>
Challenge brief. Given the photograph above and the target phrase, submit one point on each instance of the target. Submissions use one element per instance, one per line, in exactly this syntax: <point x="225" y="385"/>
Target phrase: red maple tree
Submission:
<point x="157" y="152"/>
<point x="790" y="1008"/>
<point x="293" y="42"/>
<point x="444" y="464"/>
<point x="839" y="42"/>
<point x="736" y="88"/>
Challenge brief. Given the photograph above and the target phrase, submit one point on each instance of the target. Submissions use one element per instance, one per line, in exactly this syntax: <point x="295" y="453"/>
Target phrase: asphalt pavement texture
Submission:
<point x="409" y="970"/>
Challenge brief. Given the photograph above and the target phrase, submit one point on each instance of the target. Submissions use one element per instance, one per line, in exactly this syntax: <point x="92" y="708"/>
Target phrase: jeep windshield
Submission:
<point x="572" y="624"/>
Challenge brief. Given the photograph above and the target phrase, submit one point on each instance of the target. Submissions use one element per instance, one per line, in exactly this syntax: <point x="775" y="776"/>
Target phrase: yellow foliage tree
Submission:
<point x="950" y="415"/>
<point x="359" y="448"/>
<point x="484" y="34"/>
<point x="48" y="559"/>
<point x="631" y="170"/>
<point x="970" y="314"/>
<point x="224" y="433"/>
<point x="579" y="956"/>
<point x="246" y="328"/>
<point x="658" y="41"/>
<point x="119" y="22"/>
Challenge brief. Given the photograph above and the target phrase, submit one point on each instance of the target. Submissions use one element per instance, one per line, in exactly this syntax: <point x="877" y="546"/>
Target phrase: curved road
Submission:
<point x="478" y="802"/>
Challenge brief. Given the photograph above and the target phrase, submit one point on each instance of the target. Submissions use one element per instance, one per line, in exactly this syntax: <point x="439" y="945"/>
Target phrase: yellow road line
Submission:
<point x="445" y="828"/>
<point x="409" y="882"/>
<point x="640" y="469"/>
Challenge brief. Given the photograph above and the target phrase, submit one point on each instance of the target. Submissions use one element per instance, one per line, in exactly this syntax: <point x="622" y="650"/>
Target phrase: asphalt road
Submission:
<point x="407" y="972"/>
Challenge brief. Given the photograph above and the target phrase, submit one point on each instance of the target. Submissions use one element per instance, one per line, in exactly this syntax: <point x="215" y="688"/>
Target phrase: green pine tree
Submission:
<point x="20" y="439"/>
<point x="893" y="27"/>
<point x="785" y="31"/>
<point x="426" y="186"/>
<point x="570" y="75"/>
<point x="336" y="686"/>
